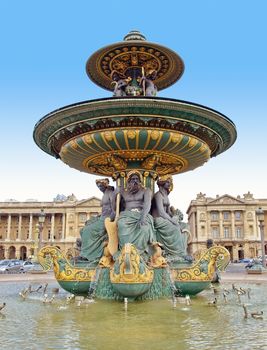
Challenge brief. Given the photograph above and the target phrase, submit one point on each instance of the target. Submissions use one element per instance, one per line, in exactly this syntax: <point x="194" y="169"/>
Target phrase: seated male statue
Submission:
<point x="168" y="229"/>
<point x="135" y="224"/>
<point x="93" y="234"/>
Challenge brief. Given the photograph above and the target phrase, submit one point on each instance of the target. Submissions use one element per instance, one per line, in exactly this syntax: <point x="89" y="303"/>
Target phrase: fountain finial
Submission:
<point x="134" y="35"/>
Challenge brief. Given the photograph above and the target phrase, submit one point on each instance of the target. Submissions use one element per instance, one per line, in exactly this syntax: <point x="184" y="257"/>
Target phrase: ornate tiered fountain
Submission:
<point x="134" y="132"/>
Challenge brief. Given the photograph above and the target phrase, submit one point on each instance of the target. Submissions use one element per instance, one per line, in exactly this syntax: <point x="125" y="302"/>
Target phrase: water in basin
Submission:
<point x="31" y="324"/>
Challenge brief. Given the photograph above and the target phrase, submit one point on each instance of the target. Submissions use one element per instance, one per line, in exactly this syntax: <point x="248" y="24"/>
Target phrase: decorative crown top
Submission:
<point x="134" y="35"/>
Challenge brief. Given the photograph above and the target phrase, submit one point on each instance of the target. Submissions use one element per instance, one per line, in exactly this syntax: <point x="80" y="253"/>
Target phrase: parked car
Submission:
<point x="4" y="262"/>
<point x="245" y="260"/>
<point x="11" y="265"/>
<point x="28" y="266"/>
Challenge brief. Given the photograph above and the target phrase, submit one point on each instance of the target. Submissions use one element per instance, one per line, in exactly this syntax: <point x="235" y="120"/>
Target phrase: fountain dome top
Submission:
<point x="134" y="53"/>
<point x="134" y="129"/>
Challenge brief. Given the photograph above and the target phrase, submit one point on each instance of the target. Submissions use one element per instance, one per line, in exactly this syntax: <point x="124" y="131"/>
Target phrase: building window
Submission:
<point x="215" y="232"/>
<point x="226" y="215"/>
<point x="238" y="232"/>
<point x="82" y="217"/>
<point x="238" y="215"/>
<point x="226" y="232"/>
<point x="214" y="215"/>
<point x="49" y="234"/>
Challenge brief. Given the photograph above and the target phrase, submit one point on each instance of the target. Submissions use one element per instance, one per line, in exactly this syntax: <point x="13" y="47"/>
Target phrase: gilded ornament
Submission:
<point x="87" y="139"/>
<point x="150" y="162"/>
<point x="203" y="148"/>
<point x="73" y="144"/>
<point x="192" y="142"/>
<point x="176" y="138"/>
<point x="157" y="260"/>
<point x="64" y="149"/>
<point x="205" y="267"/>
<point x="155" y="135"/>
<point x="108" y="135"/>
<point x="63" y="269"/>
<point x="131" y="134"/>
<point x="116" y="162"/>
<point x="127" y="268"/>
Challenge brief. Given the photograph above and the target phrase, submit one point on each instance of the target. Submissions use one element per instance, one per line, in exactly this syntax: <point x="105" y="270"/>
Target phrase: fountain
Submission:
<point x="137" y="248"/>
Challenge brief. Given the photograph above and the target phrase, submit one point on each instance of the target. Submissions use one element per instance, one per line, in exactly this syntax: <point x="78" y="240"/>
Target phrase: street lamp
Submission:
<point x="260" y="216"/>
<point x="41" y="220"/>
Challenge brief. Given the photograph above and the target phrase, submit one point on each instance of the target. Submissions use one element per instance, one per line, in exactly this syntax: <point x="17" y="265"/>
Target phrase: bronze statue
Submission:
<point x="146" y="82"/>
<point x="120" y="82"/>
<point x="169" y="232"/>
<point x="135" y="224"/>
<point x="93" y="234"/>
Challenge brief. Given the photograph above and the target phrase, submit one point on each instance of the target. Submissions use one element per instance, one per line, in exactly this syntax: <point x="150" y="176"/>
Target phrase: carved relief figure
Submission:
<point x="93" y="234"/>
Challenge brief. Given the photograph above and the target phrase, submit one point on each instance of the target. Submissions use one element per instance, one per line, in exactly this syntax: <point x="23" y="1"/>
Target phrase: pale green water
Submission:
<point x="156" y="325"/>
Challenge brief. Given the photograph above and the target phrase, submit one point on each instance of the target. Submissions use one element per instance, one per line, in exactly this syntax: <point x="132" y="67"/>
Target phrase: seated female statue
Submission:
<point x="93" y="234"/>
<point x="168" y="228"/>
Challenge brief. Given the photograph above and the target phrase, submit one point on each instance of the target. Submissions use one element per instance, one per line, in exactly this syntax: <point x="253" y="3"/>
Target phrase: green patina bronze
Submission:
<point x="93" y="236"/>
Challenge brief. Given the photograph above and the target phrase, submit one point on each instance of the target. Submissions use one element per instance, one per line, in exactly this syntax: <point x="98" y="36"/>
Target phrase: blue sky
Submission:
<point x="44" y="48"/>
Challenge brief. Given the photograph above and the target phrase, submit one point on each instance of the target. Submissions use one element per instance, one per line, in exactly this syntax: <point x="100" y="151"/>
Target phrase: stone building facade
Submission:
<point x="19" y="224"/>
<point x="229" y="221"/>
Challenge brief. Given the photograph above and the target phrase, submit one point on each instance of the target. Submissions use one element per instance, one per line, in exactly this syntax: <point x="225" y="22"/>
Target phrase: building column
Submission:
<point x="208" y="217"/>
<point x="17" y="253"/>
<point x="19" y="228"/>
<point x="5" y="252"/>
<point x="63" y="227"/>
<point x="30" y="228"/>
<point x="52" y="227"/>
<point x="233" y="224"/>
<point x="221" y="225"/>
<point x="193" y="225"/>
<point x="256" y="233"/>
<point x="8" y="227"/>
<point x="244" y="233"/>
<point x="76" y="225"/>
